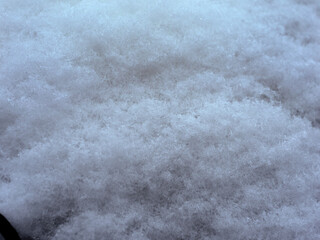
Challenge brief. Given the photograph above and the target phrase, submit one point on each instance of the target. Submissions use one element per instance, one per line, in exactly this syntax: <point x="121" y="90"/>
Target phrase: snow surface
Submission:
<point x="194" y="119"/>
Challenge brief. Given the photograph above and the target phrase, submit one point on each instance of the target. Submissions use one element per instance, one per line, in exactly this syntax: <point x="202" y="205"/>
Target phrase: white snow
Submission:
<point x="160" y="120"/>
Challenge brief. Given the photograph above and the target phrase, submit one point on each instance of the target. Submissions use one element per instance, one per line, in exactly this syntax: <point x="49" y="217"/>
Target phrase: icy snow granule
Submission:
<point x="151" y="120"/>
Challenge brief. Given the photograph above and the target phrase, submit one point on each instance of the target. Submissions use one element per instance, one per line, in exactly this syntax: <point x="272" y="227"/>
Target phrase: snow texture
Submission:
<point x="160" y="120"/>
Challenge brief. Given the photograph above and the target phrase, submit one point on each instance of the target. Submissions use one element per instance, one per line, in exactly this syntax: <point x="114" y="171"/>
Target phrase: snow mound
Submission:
<point x="151" y="120"/>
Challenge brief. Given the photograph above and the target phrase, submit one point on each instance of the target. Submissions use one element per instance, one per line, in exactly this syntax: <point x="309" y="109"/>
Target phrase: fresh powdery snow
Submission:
<point x="160" y="120"/>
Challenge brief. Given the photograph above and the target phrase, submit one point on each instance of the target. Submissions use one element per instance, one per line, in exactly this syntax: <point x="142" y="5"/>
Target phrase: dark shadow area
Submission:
<point x="7" y="230"/>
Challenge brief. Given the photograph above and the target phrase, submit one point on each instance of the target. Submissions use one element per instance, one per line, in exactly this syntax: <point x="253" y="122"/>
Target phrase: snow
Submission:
<point x="151" y="120"/>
